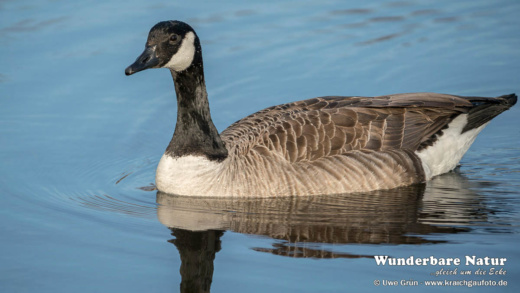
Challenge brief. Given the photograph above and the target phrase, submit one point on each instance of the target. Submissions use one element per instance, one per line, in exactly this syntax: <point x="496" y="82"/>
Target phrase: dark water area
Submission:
<point x="80" y="141"/>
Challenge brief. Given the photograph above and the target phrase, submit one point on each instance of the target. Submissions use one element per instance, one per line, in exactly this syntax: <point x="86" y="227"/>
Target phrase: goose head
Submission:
<point x="175" y="45"/>
<point x="170" y="44"/>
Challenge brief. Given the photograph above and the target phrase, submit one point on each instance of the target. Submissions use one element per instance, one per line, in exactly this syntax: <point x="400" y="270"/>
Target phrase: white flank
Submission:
<point x="444" y="155"/>
<point x="184" y="56"/>
<point x="189" y="175"/>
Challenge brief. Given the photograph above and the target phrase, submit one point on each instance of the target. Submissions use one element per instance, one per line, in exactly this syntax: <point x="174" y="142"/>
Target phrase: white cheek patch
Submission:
<point x="184" y="56"/>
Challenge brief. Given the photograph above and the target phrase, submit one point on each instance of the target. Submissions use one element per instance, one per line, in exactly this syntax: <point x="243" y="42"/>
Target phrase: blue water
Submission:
<point x="79" y="143"/>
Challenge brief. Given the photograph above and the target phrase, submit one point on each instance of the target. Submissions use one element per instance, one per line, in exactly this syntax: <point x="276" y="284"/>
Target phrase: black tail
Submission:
<point x="485" y="109"/>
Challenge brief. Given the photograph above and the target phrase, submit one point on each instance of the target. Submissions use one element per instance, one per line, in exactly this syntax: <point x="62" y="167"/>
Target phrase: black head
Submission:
<point x="170" y="44"/>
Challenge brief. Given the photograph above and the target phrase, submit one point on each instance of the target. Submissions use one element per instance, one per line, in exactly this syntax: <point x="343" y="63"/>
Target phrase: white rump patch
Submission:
<point x="188" y="175"/>
<point x="444" y="155"/>
<point x="184" y="56"/>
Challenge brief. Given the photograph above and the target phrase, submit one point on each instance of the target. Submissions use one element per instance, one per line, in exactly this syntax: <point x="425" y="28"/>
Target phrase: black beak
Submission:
<point x="148" y="59"/>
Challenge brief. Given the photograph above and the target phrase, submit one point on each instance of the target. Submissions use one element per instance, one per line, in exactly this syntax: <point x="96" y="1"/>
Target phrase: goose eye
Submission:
<point x="174" y="38"/>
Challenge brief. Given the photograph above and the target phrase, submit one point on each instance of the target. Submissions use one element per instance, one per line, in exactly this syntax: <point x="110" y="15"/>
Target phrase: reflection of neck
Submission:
<point x="197" y="251"/>
<point x="194" y="133"/>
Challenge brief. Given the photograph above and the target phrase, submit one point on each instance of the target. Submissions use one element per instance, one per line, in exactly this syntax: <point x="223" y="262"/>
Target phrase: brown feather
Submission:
<point x="338" y="143"/>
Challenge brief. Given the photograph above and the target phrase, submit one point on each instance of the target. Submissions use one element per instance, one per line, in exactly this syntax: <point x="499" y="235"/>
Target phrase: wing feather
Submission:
<point x="312" y="129"/>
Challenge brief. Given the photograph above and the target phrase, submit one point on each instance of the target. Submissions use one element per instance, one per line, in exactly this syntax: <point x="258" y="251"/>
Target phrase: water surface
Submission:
<point x="79" y="143"/>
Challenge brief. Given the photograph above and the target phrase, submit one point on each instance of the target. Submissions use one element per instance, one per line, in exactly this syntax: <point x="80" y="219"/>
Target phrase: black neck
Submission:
<point x="194" y="133"/>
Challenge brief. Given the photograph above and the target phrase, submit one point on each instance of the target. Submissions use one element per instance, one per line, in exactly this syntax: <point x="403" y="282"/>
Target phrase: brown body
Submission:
<point x="325" y="145"/>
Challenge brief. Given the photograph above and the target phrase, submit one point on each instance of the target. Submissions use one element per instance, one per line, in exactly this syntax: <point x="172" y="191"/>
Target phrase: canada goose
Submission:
<point x="325" y="145"/>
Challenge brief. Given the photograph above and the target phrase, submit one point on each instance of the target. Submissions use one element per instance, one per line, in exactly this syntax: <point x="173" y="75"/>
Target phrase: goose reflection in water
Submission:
<point x="197" y="250"/>
<point x="417" y="214"/>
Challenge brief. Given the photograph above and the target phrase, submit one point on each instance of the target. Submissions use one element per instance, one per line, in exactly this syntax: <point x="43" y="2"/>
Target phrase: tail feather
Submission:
<point x="485" y="109"/>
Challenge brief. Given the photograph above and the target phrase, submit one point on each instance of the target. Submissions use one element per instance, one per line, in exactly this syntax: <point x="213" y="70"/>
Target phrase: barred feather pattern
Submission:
<point x="332" y="145"/>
